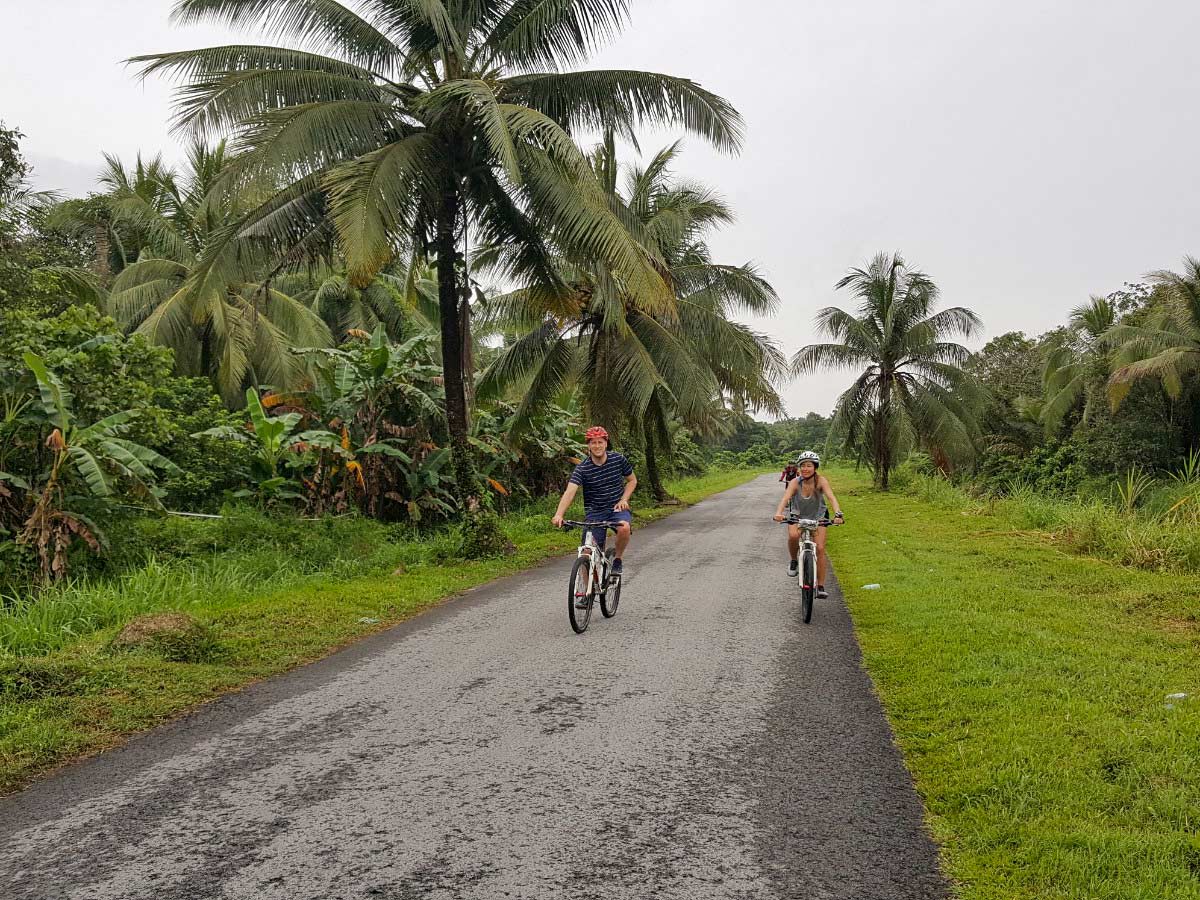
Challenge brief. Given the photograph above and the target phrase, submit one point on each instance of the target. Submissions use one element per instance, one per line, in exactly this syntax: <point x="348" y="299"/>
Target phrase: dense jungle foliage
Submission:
<point x="300" y="393"/>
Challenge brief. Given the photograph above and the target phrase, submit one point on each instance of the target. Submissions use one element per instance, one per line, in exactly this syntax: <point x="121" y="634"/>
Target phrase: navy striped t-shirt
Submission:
<point x="602" y="485"/>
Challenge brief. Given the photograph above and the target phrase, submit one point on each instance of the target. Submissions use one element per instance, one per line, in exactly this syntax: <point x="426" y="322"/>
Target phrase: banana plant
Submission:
<point x="381" y="406"/>
<point x="85" y="460"/>
<point x="428" y="486"/>
<point x="274" y="439"/>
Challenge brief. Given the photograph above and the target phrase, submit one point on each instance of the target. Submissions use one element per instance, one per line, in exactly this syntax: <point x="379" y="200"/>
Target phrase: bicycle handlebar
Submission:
<point x="567" y="523"/>
<point x="812" y="523"/>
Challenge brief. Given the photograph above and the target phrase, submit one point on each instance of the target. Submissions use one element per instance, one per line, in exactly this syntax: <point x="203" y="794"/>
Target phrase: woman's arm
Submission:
<point x="827" y="489"/>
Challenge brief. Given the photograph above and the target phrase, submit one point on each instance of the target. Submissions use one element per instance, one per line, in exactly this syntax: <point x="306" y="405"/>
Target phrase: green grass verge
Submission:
<point x="1028" y="689"/>
<point x="62" y="695"/>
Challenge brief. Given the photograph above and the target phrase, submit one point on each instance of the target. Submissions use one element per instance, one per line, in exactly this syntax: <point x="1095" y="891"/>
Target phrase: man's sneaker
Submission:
<point x="821" y="592"/>
<point x="793" y="568"/>
<point x="616" y="569"/>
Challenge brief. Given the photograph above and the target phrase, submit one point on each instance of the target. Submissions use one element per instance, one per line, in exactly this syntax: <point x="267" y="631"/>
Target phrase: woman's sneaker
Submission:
<point x="793" y="568"/>
<point x="821" y="592"/>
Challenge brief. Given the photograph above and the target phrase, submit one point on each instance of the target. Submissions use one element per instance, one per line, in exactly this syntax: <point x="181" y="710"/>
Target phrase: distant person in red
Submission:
<point x="789" y="472"/>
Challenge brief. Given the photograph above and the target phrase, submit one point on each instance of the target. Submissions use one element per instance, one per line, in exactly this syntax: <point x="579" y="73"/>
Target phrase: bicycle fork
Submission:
<point x="808" y="550"/>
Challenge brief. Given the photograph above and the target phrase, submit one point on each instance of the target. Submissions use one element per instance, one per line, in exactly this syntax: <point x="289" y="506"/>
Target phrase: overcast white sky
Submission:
<point x="1025" y="154"/>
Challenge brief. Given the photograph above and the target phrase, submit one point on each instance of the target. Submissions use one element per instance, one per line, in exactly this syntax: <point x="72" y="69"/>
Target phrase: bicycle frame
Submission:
<point x="597" y="559"/>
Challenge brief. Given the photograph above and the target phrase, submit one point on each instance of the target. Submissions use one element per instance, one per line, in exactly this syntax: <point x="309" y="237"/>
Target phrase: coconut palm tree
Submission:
<point x="1076" y="360"/>
<point x="208" y="296"/>
<point x="911" y="390"/>
<point x="633" y="358"/>
<point x="116" y="241"/>
<point x="421" y="125"/>
<point x="1166" y="347"/>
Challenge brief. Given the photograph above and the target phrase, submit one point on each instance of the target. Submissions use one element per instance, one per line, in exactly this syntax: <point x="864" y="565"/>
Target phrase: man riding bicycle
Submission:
<point x="808" y="497"/>
<point x="608" y="482"/>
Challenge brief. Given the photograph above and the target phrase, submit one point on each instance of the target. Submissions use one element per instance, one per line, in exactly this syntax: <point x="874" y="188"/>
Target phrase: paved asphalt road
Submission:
<point x="702" y="744"/>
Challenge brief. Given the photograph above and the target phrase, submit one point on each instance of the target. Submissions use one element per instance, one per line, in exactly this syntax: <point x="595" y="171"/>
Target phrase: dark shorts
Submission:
<point x="601" y="534"/>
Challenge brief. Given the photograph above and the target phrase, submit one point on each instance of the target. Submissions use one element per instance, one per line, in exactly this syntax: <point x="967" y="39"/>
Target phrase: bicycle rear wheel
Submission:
<point x="577" y="589"/>
<point x="808" y="586"/>
<point x="610" y="597"/>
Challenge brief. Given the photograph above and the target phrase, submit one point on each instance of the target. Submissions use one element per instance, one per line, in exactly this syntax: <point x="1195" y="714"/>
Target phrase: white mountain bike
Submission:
<point x="591" y="579"/>
<point x="808" y="560"/>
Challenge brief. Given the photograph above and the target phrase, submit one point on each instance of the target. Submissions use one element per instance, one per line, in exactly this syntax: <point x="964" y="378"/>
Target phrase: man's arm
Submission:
<point x="630" y="487"/>
<point x="835" y="507"/>
<point x="787" y="495"/>
<point x="564" y="503"/>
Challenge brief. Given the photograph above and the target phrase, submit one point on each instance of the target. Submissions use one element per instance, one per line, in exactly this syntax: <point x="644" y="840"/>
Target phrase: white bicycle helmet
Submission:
<point x="809" y="456"/>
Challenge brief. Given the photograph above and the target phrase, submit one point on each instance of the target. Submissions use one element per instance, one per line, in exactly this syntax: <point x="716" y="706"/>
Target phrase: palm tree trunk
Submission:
<point x="656" y="485"/>
<point x="883" y="453"/>
<point x="103" y="248"/>
<point x="481" y="533"/>
<point x="468" y="356"/>
<point x="466" y="485"/>
<point x="882" y="457"/>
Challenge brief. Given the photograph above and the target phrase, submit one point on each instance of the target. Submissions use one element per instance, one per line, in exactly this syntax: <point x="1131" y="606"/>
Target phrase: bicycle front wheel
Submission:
<point x="808" y="586"/>
<point x="611" y="595"/>
<point x="579" y="604"/>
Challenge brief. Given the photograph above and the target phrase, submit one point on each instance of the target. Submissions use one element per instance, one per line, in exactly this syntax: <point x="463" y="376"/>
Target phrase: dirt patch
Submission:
<point x="1179" y="626"/>
<point x="174" y="636"/>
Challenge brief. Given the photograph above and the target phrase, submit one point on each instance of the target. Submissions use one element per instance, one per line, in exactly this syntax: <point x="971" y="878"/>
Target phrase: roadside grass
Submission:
<point x="1152" y="525"/>
<point x="1028" y="689"/>
<point x="63" y="694"/>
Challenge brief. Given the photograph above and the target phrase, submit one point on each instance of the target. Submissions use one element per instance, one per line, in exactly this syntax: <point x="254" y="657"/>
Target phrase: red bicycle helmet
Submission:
<point x="596" y="431"/>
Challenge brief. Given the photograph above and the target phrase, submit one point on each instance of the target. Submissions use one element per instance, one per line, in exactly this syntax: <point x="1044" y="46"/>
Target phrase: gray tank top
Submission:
<point x="812" y="507"/>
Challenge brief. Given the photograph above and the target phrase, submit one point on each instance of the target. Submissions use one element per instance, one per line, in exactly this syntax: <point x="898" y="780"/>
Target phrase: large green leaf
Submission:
<point x="56" y="399"/>
<point x="145" y="455"/>
<point x="15" y="480"/>
<point x="90" y="469"/>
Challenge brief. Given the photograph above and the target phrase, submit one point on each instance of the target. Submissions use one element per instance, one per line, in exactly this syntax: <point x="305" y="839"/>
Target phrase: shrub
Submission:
<point x="36" y="679"/>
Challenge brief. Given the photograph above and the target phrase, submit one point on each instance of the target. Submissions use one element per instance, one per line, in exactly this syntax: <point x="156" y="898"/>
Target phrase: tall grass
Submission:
<point x="1143" y="523"/>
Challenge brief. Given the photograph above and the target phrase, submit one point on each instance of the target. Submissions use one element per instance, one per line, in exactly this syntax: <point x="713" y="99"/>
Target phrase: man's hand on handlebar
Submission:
<point x="779" y="517"/>
<point x="557" y="520"/>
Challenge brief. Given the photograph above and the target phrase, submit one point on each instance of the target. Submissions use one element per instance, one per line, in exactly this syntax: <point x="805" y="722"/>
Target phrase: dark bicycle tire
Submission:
<point x="579" y="617"/>
<point x="610" y="597"/>
<point x="808" y="586"/>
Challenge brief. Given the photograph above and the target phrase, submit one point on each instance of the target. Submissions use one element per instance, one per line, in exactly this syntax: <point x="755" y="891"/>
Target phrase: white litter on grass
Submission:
<point x="1179" y="696"/>
<point x="367" y="620"/>
<point x="871" y="587"/>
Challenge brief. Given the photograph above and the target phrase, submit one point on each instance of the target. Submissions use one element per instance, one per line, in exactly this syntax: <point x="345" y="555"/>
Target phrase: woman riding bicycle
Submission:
<point x="808" y="497"/>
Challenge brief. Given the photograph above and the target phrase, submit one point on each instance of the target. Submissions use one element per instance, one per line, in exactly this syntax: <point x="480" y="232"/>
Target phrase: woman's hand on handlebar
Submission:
<point x="778" y="517"/>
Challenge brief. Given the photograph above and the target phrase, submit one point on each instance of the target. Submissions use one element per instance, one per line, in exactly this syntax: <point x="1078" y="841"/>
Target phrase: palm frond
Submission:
<point x="625" y="100"/>
<point x="374" y="201"/>
<point x="553" y="32"/>
<point x="317" y="24"/>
